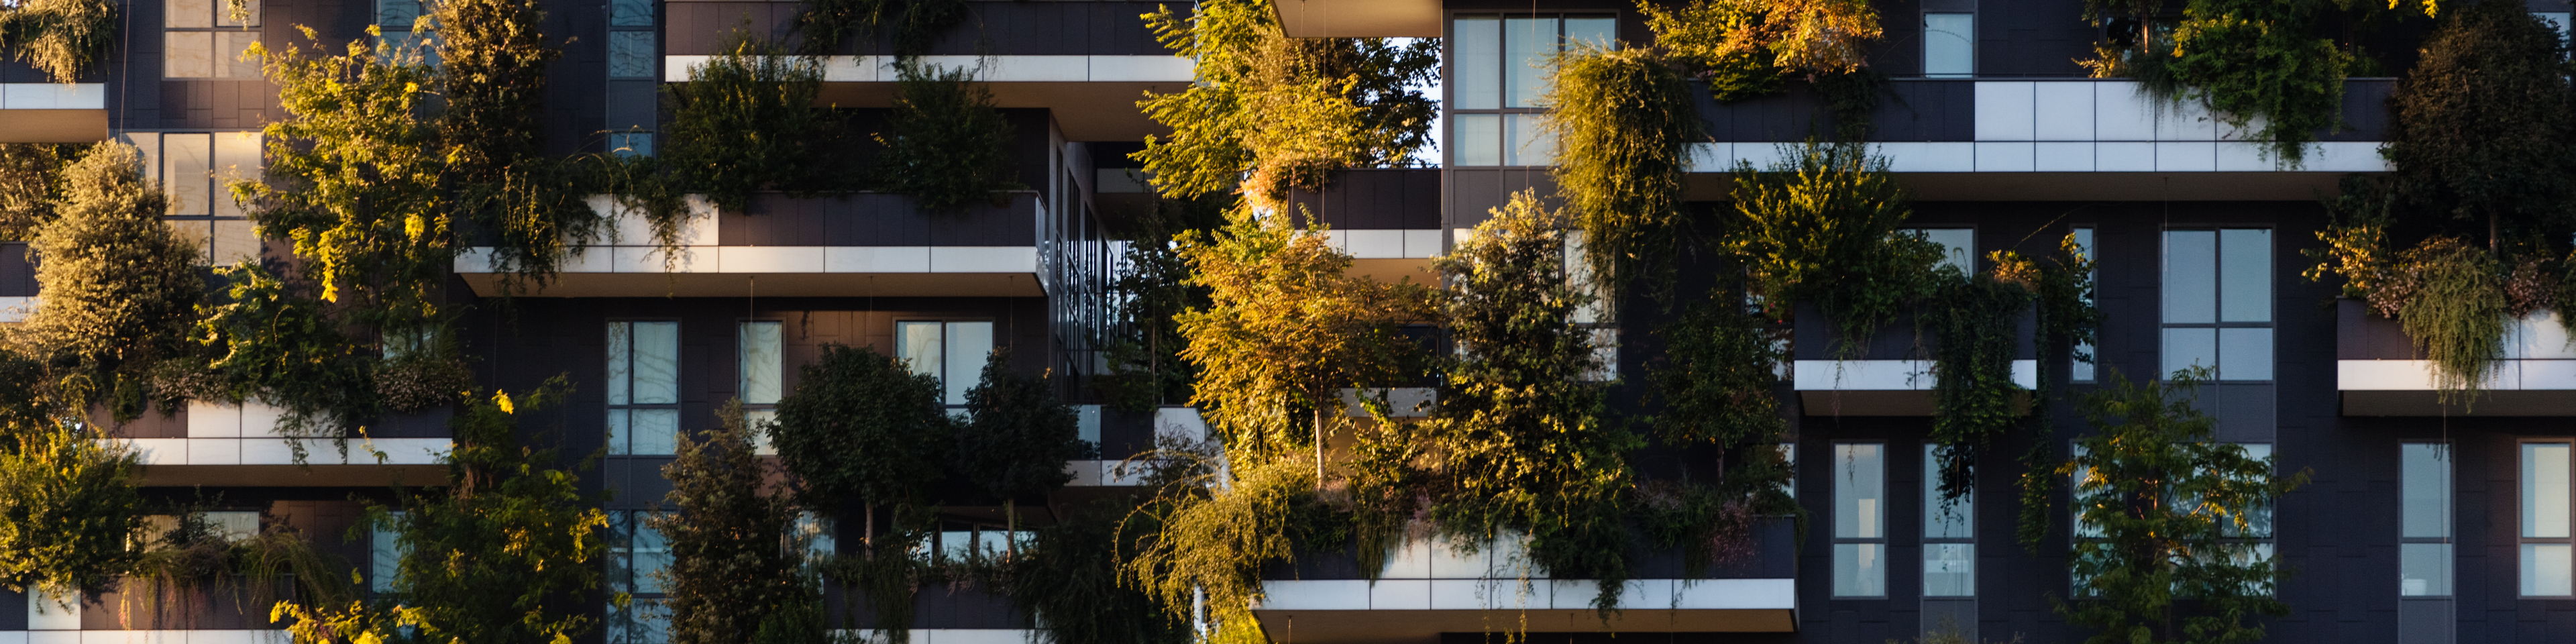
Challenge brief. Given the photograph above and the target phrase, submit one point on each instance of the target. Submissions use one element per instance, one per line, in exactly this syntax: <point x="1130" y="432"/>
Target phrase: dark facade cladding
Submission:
<point x="2016" y="152"/>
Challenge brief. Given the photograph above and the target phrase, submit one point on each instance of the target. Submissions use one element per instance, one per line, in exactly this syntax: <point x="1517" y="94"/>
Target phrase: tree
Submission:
<point x="511" y="552"/>
<point x="947" y="146"/>
<point x="355" y="178"/>
<point x="1521" y="433"/>
<point x="2160" y="507"/>
<point x="1824" y="225"/>
<point x="861" y="426"/>
<point x="121" y="287"/>
<point x="1016" y="438"/>
<point x="734" y="565"/>
<point x="1270" y="112"/>
<point x="61" y="37"/>
<point x="30" y="185"/>
<point x="492" y="62"/>
<point x="69" y="509"/>
<point x="746" y="122"/>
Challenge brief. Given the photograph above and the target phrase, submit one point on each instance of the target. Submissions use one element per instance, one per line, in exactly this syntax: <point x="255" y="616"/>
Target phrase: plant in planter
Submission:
<point x="64" y="38"/>
<point x="1824" y="225"/>
<point x="735" y="564"/>
<point x="946" y="146"/>
<point x="69" y="508"/>
<point x="194" y="556"/>
<point x="121" y="287"/>
<point x="2250" y="61"/>
<point x="862" y="427"/>
<point x="1746" y="48"/>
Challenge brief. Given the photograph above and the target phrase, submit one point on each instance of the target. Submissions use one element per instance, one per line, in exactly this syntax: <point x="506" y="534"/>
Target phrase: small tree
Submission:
<point x="946" y="146"/>
<point x="862" y="426"/>
<point x="734" y="564"/>
<point x="746" y="122"/>
<point x="62" y="37"/>
<point x="121" y="287"/>
<point x="2160" y="506"/>
<point x="1016" y="438"/>
<point x="68" y="510"/>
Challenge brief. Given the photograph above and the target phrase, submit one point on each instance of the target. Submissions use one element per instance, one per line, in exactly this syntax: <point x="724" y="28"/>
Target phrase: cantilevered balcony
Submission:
<point x="218" y="444"/>
<point x="1892" y="375"/>
<point x="1387" y="219"/>
<point x="1429" y="587"/>
<point x="53" y="112"/>
<point x="859" y="245"/>
<point x="2379" y="372"/>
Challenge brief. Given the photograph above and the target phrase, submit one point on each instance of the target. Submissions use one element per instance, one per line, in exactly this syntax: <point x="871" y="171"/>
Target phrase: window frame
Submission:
<point x="219" y="66"/>
<point x="757" y="413"/>
<point x="1872" y="546"/>
<point x="642" y="620"/>
<point x="2219" y="324"/>
<point x="2524" y="507"/>
<point x="947" y="347"/>
<point x="2446" y="458"/>
<point x="1934" y="508"/>
<point x="622" y="444"/>
<point x="1505" y="119"/>
<point x="1971" y="45"/>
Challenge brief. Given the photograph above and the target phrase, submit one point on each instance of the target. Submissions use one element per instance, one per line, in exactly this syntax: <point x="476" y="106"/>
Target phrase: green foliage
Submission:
<point x="193" y="558"/>
<point x="274" y="341"/>
<point x="1720" y="364"/>
<point x="863" y="426"/>
<point x="30" y="185"/>
<point x="355" y="178"/>
<point x="1719" y="41"/>
<point x="947" y="146"/>
<point x="492" y="66"/>
<point x="2166" y="502"/>
<point x="2069" y="321"/>
<point x="1286" y="329"/>
<point x="1016" y="437"/>
<point x="1823" y="225"/>
<point x="1977" y="321"/>
<point x="1624" y="122"/>
<point x="2253" y="59"/>
<point x="511" y="552"/>
<point x="68" y="510"/>
<point x="1521" y="434"/>
<point x="1270" y="113"/>
<point x="1211" y="529"/>
<point x="63" y="38"/>
<point x="2456" y="315"/>
<point x="732" y="559"/>
<point x="121" y="287"/>
<point x="1146" y="368"/>
<point x="909" y="24"/>
<point x="1071" y="581"/>
<point x="746" y="122"/>
<point x="889" y="576"/>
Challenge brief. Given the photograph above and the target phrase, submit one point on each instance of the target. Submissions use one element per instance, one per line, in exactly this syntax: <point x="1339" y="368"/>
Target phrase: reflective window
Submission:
<point x="2218" y="303"/>
<point x="1860" y="520"/>
<point x="1498" y="64"/>
<point x="953" y="352"/>
<point x="1949" y="45"/>
<point x="643" y="388"/>
<point x="637" y="555"/>
<point x="2081" y="369"/>
<point x="2424" y="508"/>
<point x="1949" y="535"/>
<point x="206" y="39"/>
<point x="764" y="371"/>
<point x="385" y="552"/>
<point x="2548" y="564"/>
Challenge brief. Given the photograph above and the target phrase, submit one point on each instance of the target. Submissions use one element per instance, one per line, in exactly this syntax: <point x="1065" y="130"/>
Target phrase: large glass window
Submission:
<point x="1498" y="80"/>
<point x="2254" y="542"/>
<point x="762" y="361"/>
<point x="197" y="170"/>
<point x="1860" y="520"/>
<point x="206" y="38"/>
<point x="1949" y="535"/>
<point x="952" y="352"/>
<point x="2424" y="536"/>
<point x="396" y="21"/>
<point x="385" y="551"/>
<point x="2548" y="557"/>
<point x="643" y="388"/>
<point x="637" y="556"/>
<point x="2218" y="302"/>
<point x="1958" y="246"/>
<point x="1949" y="45"/>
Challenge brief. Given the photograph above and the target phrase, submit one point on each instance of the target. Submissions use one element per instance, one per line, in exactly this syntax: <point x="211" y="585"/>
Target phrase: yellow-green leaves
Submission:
<point x="61" y="37"/>
<point x="1623" y="122"/>
<point x="68" y="509"/>
<point x="121" y="287"/>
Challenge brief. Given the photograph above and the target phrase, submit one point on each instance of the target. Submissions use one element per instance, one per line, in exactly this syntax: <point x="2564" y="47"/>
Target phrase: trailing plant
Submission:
<point x="1623" y="122"/>
<point x="194" y="557"/>
<point x="1209" y="530"/>
<point x="734" y="556"/>
<point x="2164" y="503"/>
<point x="1822" y="225"/>
<point x="121" y="287"/>
<point x="1721" y="361"/>
<point x="2456" y="314"/>
<point x="63" y="38"/>
<point x="908" y="26"/>
<point x="492" y="60"/>
<point x="1721" y="42"/>
<point x="1522" y="439"/>
<point x="69" y="508"/>
<point x="1016" y="437"/>
<point x="1270" y="113"/>
<point x="2069" y="321"/>
<point x="946" y="146"/>
<point x="2249" y="61"/>
<point x="510" y="552"/>
<point x="1977" y="320"/>
<point x="1745" y="48"/>
<point x="889" y="575"/>
<point x="1286" y="329"/>
<point x="1072" y="582"/>
<point x="274" y="341"/>
<point x="861" y="426"/>
<point x="30" y="185"/>
<point x="746" y="122"/>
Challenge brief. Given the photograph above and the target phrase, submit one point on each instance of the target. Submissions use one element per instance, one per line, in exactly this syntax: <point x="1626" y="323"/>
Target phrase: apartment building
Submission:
<point x="2424" y="522"/>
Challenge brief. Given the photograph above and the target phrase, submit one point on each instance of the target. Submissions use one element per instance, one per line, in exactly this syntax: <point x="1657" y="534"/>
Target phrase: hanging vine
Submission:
<point x="1624" y="122"/>
<point x="1977" y="320"/>
<point x="2252" y="62"/>
<point x="64" y="38"/>
<point x="1748" y="48"/>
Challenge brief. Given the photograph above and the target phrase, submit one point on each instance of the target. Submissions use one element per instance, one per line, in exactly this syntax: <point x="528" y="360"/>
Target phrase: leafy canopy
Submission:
<point x="1270" y="112"/>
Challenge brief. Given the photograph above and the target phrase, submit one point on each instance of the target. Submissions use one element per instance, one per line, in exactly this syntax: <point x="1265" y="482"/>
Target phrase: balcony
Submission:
<point x="53" y="112"/>
<point x="1893" y="376"/>
<point x="228" y="445"/>
<point x="2378" y="372"/>
<point x="1428" y="588"/>
<point x="1088" y="61"/>
<point x="1359" y="18"/>
<point x="1387" y="219"/>
<point x="859" y="245"/>
<point x="2058" y="139"/>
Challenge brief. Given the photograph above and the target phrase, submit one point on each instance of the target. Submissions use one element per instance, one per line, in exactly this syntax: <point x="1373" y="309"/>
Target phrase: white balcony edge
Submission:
<point x="1885" y="375"/>
<point x="2417" y="375"/>
<point x="281" y="451"/>
<point x="2065" y="156"/>
<point x="996" y="69"/>
<point x="1532" y="594"/>
<point x="958" y="635"/>
<point x="53" y="96"/>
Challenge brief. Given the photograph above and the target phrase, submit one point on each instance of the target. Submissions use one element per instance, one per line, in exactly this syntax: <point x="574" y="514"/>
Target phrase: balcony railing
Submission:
<point x="1892" y="376"/>
<point x="2379" y="372"/>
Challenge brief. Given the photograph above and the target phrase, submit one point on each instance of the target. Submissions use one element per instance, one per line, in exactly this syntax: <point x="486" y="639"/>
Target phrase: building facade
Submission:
<point x="2423" y="522"/>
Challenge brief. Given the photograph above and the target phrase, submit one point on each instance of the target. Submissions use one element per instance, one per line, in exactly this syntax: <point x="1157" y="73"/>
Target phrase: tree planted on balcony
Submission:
<point x="69" y="508"/>
<point x="63" y="38"/>
<point x="2168" y="520"/>
<point x="1522" y="441"/>
<point x="737" y="568"/>
<point x="946" y="146"/>
<point x="1824" y="224"/>
<point x="121" y="287"/>
<point x="1270" y="113"/>
<point x="1146" y="368"/>
<point x="1624" y="124"/>
<point x="2254" y="63"/>
<point x="907" y="27"/>
<point x="1746" y="48"/>
<point x="1016" y="438"/>
<point x="195" y="556"/>
<point x="510" y="551"/>
<point x="2473" y="225"/>
<point x="746" y="122"/>
<point x="492" y="59"/>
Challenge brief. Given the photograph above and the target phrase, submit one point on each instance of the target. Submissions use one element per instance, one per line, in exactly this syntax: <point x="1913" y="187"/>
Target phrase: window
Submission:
<point x="970" y="541"/>
<point x="952" y="352"/>
<point x="197" y="170"/>
<point x="1860" y="513"/>
<point x="643" y="388"/>
<point x="1949" y="45"/>
<point x="2081" y="367"/>
<point x="633" y="64"/>
<point x="2083" y="529"/>
<point x="1949" y="535"/>
<point x="763" y="372"/>
<point x="206" y="38"/>
<point x="2548" y="569"/>
<point x="2218" y="302"/>
<point x="636" y="557"/>
<point x="1789" y="455"/>
<point x="1597" y="315"/>
<point x="1498" y="77"/>
<point x="630" y="39"/>
<point x="820" y="539"/>
<point x="2424" y="534"/>
<point x="396" y="21"/>
<point x="385" y="552"/>
<point x="2557" y="20"/>
<point x="1958" y="246"/>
